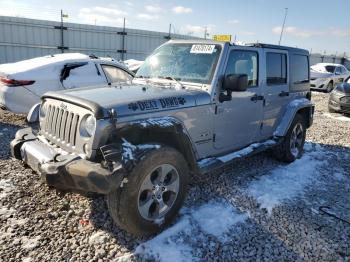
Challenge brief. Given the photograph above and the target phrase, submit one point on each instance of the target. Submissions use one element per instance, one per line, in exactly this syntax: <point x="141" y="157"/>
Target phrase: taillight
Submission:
<point x="13" y="82"/>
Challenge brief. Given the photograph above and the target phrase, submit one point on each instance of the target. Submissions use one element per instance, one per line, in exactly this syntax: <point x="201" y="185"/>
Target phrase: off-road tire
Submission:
<point x="283" y="151"/>
<point x="330" y="87"/>
<point x="123" y="202"/>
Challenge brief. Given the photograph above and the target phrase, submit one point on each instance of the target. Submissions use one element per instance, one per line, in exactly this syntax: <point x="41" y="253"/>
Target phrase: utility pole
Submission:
<point x="284" y="22"/>
<point x="62" y="40"/>
<point x="170" y="31"/>
<point x="123" y="43"/>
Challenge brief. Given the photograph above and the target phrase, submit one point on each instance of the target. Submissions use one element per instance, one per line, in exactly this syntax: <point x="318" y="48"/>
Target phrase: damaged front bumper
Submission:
<point x="65" y="171"/>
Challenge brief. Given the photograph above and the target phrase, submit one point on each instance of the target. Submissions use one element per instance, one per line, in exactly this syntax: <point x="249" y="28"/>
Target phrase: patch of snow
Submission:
<point x="30" y="243"/>
<point x="5" y="187"/>
<point x="128" y="150"/>
<point x="99" y="237"/>
<point x="26" y="259"/>
<point x="287" y="182"/>
<point x="217" y="218"/>
<point x="37" y="62"/>
<point x="214" y="218"/>
<point x="16" y="221"/>
<point x="6" y="212"/>
<point x="148" y="146"/>
<point x="237" y="154"/>
<point x="339" y="118"/>
<point x="206" y="162"/>
<point x="169" y="245"/>
<point x="162" y="121"/>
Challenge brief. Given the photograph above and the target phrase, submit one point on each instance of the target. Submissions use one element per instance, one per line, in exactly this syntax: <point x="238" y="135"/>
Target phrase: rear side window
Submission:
<point x="116" y="74"/>
<point x="244" y="62"/>
<point x="299" y="70"/>
<point x="276" y="68"/>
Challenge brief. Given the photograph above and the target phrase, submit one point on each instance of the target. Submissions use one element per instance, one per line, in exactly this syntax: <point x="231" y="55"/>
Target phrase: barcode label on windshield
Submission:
<point x="202" y="49"/>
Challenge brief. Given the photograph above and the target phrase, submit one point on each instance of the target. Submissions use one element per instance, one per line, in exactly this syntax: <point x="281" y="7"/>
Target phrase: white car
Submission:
<point x="325" y="76"/>
<point x="23" y="83"/>
<point x="133" y="64"/>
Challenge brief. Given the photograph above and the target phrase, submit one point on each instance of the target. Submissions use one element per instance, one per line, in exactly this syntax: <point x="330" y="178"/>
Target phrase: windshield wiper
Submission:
<point x="173" y="79"/>
<point x="141" y="77"/>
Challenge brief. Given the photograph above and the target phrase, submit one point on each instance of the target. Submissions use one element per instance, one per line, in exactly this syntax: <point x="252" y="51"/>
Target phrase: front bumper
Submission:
<point x="65" y="171"/>
<point x="337" y="105"/>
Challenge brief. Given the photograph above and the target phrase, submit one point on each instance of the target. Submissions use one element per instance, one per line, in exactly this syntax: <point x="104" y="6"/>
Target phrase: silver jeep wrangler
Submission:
<point x="192" y="107"/>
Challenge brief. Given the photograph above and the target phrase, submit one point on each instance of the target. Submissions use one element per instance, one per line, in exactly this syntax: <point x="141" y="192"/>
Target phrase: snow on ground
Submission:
<point x="215" y="218"/>
<point x="5" y="187"/>
<point x="6" y="212"/>
<point x="339" y="118"/>
<point x="30" y="243"/>
<point x="98" y="238"/>
<point x="289" y="181"/>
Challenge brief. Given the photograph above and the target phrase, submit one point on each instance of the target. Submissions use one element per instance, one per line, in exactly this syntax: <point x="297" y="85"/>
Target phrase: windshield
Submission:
<point x="182" y="62"/>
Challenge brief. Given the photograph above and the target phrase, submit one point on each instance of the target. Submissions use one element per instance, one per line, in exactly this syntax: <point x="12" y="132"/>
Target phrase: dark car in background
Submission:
<point x="339" y="100"/>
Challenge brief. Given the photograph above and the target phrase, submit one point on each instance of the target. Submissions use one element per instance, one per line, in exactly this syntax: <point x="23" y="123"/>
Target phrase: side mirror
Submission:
<point x="235" y="82"/>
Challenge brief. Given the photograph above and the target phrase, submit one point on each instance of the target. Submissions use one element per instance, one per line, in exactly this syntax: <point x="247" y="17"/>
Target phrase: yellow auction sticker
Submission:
<point x="222" y="38"/>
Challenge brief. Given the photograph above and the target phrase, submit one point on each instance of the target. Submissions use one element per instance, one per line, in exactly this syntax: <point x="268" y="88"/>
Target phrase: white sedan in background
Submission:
<point x="325" y="76"/>
<point x="23" y="83"/>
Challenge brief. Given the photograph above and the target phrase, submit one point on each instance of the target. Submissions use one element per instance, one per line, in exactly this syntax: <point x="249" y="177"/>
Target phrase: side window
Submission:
<point x="276" y="68"/>
<point x="116" y="74"/>
<point x="244" y="62"/>
<point x="338" y="70"/>
<point x="299" y="71"/>
<point x="343" y="70"/>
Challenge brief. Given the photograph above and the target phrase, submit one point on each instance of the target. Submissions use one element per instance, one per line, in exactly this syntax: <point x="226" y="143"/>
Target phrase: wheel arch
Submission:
<point x="303" y="107"/>
<point x="167" y="131"/>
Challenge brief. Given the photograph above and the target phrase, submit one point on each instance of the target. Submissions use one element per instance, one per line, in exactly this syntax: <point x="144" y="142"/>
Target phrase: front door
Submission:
<point x="276" y="89"/>
<point x="237" y="121"/>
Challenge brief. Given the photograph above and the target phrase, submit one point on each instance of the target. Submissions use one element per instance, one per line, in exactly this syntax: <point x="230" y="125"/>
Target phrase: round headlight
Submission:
<point x="43" y="109"/>
<point x="88" y="125"/>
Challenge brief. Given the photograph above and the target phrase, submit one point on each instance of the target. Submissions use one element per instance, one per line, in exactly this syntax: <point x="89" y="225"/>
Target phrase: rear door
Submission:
<point x="276" y="89"/>
<point x="84" y="75"/>
<point x="237" y="121"/>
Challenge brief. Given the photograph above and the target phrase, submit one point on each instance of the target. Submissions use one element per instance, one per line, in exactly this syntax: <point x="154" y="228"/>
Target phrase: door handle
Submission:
<point x="256" y="97"/>
<point x="283" y="93"/>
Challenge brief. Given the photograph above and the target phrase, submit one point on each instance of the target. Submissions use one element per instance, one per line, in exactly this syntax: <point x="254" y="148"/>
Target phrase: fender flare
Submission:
<point x="301" y="105"/>
<point x="162" y="130"/>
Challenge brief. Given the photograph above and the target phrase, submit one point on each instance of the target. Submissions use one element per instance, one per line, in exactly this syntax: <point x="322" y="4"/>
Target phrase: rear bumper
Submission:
<point x="65" y="171"/>
<point x="17" y="99"/>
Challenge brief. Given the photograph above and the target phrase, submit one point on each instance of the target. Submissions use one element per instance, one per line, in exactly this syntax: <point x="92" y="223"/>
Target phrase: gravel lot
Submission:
<point x="261" y="210"/>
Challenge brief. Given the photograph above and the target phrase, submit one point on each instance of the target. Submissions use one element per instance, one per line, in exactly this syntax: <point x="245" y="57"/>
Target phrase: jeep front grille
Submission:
<point x="61" y="125"/>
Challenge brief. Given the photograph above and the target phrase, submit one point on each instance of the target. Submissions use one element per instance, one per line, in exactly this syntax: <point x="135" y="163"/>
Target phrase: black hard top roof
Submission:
<point x="280" y="47"/>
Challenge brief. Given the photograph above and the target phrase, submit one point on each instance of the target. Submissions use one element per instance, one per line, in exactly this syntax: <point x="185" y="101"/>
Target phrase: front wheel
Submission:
<point x="292" y="146"/>
<point x="153" y="195"/>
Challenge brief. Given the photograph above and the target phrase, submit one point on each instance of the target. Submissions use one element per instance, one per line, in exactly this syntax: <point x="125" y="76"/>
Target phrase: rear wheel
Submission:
<point x="292" y="146"/>
<point x="329" y="87"/>
<point x="154" y="193"/>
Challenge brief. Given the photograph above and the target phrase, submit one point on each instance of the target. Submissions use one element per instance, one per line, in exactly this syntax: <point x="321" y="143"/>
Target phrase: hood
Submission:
<point x="131" y="99"/>
<point x="319" y="74"/>
<point x="343" y="88"/>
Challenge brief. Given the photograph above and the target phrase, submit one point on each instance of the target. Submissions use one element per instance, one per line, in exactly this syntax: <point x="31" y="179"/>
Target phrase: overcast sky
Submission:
<point x="318" y="25"/>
